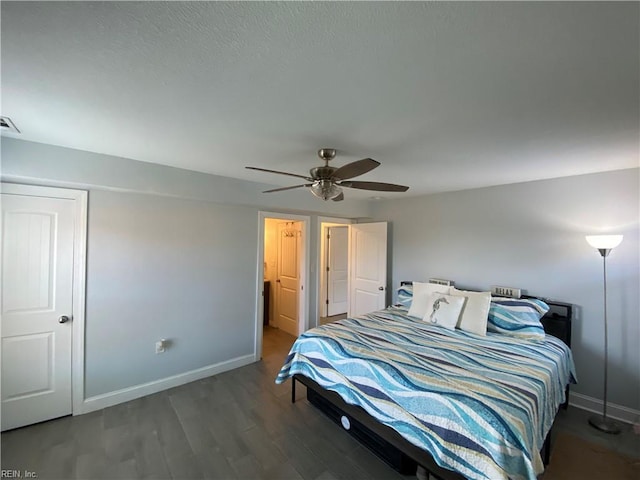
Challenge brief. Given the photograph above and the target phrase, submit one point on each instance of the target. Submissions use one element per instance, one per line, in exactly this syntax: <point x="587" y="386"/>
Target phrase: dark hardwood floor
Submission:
<point x="236" y="425"/>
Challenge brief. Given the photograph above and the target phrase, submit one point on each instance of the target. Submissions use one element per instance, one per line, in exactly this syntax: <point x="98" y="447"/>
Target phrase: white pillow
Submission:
<point x="444" y="310"/>
<point x="474" y="312"/>
<point x="421" y="292"/>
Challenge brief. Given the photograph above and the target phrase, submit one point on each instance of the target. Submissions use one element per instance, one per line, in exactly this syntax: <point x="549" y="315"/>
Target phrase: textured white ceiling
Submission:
<point x="447" y="96"/>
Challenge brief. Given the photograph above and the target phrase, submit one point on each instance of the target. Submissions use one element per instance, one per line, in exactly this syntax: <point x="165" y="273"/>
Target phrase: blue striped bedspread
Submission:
<point x="481" y="406"/>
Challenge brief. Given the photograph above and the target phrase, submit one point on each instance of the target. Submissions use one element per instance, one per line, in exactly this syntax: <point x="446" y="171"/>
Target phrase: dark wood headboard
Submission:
<point x="556" y="322"/>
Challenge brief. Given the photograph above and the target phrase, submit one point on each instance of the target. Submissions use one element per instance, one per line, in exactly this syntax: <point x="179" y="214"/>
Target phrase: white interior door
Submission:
<point x="368" y="267"/>
<point x="288" y="281"/>
<point x="37" y="283"/>
<point x="337" y="270"/>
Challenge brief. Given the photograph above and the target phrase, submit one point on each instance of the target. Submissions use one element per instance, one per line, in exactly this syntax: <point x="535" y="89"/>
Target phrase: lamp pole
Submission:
<point x="604" y="244"/>
<point x="606" y="334"/>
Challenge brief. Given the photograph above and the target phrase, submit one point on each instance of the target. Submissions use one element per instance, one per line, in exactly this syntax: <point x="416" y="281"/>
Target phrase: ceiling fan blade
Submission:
<point x="339" y="198"/>
<point x="355" y="169"/>
<point x="280" y="173"/>
<point x="281" y="189"/>
<point x="377" y="186"/>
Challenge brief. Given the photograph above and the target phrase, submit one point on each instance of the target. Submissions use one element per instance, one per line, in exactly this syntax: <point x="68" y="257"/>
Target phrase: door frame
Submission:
<point x="303" y="298"/>
<point x="80" y="198"/>
<point x="321" y="278"/>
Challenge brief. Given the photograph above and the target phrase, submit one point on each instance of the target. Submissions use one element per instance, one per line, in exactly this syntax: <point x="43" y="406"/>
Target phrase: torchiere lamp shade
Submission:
<point x="606" y="242"/>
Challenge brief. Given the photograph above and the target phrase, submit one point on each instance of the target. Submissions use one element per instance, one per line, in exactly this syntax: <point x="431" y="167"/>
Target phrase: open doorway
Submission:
<point x="282" y="274"/>
<point x="366" y="259"/>
<point x="282" y="264"/>
<point x="333" y="293"/>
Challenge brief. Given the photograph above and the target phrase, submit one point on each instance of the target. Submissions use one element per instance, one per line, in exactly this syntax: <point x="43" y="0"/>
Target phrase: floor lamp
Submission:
<point x="604" y="244"/>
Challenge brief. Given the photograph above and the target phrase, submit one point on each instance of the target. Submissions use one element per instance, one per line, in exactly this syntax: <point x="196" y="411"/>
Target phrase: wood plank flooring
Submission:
<point x="236" y="425"/>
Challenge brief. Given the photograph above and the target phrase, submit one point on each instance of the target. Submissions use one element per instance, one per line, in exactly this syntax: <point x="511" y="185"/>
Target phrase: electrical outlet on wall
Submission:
<point x="161" y="345"/>
<point x="506" y="292"/>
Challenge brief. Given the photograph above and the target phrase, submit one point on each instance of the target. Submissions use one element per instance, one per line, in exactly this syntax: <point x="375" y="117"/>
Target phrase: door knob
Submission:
<point x="63" y="319"/>
<point x="380" y="288"/>
<point x="278" y="281"/>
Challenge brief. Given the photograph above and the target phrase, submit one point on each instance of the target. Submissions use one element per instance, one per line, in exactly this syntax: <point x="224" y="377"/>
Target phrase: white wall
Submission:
<point x="531" y="235"/>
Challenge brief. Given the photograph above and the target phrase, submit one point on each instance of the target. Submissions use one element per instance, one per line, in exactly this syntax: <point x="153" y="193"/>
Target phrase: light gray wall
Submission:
<point x="169" y="268"/>
<point x="531" y="235"/>
<point x="37" y="163"/>
<point x="171" y="254"/>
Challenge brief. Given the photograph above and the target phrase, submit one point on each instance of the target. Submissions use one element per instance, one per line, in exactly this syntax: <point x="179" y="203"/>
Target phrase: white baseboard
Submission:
<point x="595" y="405"/>
<point x="109" y="399"/>
<point x="98" y="402"/>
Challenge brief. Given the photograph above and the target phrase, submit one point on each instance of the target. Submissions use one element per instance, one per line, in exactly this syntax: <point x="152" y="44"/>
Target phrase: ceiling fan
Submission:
<point x="326" y="182"/>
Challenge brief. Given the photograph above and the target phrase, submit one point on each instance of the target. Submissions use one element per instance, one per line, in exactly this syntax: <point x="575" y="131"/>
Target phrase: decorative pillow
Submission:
<point x="405" y="296"/>
<point x="474" y="312"/>
<point x="421" y="292"/>
<point x="443" y="310"/>
<point x="518" y="317"/>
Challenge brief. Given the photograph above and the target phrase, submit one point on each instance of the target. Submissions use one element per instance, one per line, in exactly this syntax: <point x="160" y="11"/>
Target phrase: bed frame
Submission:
<point x="388" y="444"/>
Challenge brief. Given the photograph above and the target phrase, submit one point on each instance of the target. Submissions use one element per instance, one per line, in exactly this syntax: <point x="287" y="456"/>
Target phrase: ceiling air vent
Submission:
<point x="6" y="125"/>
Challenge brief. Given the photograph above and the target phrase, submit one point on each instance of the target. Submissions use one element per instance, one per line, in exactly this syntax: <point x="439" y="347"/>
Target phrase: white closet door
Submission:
<point x="37" y="281"/>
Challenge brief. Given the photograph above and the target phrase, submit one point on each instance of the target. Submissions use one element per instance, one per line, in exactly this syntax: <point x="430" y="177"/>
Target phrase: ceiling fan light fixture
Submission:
<point x="325" y="189"/>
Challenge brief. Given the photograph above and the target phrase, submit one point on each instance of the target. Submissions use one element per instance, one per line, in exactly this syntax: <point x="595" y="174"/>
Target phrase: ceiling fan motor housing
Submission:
<point x="322" y="173"/>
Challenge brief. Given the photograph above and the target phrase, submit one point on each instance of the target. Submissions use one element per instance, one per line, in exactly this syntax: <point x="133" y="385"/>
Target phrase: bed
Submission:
<point x="456" y="403"/>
